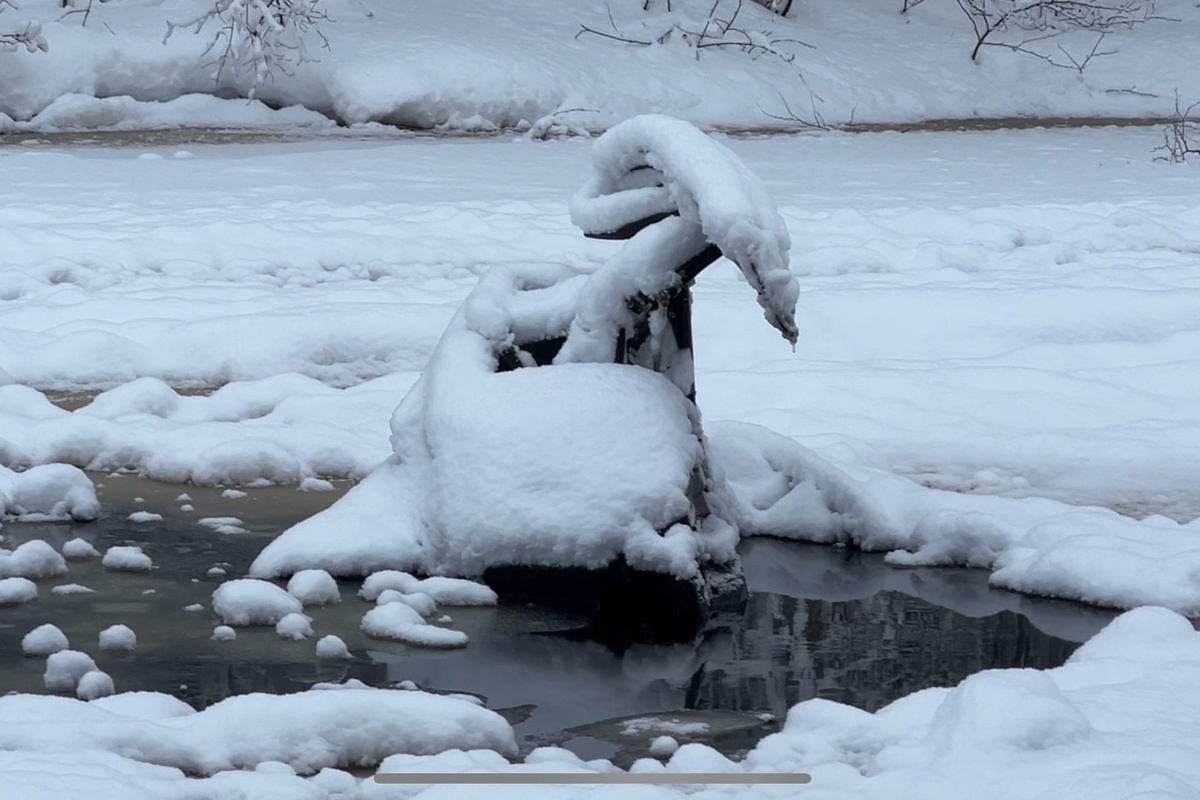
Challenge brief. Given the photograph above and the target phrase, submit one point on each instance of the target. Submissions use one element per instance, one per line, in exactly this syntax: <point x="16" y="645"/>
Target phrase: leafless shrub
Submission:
<point x="261" y="37"/>
<point x="1181" y="137"/>
<point x="29" y="37"/>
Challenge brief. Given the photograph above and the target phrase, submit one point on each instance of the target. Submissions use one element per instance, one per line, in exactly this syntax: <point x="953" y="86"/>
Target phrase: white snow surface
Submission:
<point x="47" y="491"/>
<point x="126" y="558"/>
<point x="247" y="601"/>
<point x="314" y="587"/>
<point x="44" y="640"/>
<point x="14" y="591"/>
<point x="118" y="637"/>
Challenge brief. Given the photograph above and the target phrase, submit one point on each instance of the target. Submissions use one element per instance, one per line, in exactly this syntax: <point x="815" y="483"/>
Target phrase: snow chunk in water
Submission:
<point x="72" y="588"/>
<point x="420" y="602"/>
<point x="44" y="640"/>
<point x="444" y="591"/>
<point x="65" y="668"/>
<point x="224" y="633"/>
<point x="145" y="516"/>
<point x="314" y="587"/>
<point x="78" y="548"/>
<point x="33" y="559"/>
<point x="247" y="601"/>
<point x="126" y="558"/>
<point x="14" y="591"/>
<point x="401" y="622"/>
<point x="332" y="647"/>
<point x="118" y="637"/>
<point x="94" y="685"/>
<point x="49" y="491"/>
<point x="294" y="626"/>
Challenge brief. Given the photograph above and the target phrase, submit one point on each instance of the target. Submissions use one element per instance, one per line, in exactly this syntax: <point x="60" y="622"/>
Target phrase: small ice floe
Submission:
<point x="187" y="507"/>
<point x="33" y="559"/>
<point x="226" y="525"/>
<point x="14" y="591"/>
<point x="294" y="627"/>
<point x="315" y="485"/>
<point x="145" y="516"/>
<point x="314" y="587"/>
<point x="65" y="668"/>
<point x="183" y="498"/>
<point x="126" y="558"/>
<point x="332" y="647"/>
<point x="419" y="601"/>
<point x="94" y="685"/>
<point x="401" y="622"/>
<point x="79" y="549"/>
<point x="248" y="601"/>
<point x="215" y="572"/>
<point x="118" y="637"/>
<point x="233" y="494"/>
<point x="72" y="588"/>
<point x="224" y="633"/>
<point x="194" y="607"/>
<point x="44" y="640"/>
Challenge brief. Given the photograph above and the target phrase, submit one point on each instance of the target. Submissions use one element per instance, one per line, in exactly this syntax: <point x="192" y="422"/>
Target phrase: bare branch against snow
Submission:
<point x="260" y="37"/>
<point x="1181" y="137"/>
<point x="28" y="37"/>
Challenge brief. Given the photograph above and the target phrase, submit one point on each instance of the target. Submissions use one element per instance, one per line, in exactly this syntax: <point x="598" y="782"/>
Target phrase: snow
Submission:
<point x="48" y="491"/>
<point x="225" y="525"/>
<point x="224" y="633"/>
<point x="145" y="516"/>
<point x="314" y="587"/>
<point x="94" y="685"/>
<point x="64" y="669"/>
<point x="14" y="591"/>
<point x="246" y="601"/>
<point x="78" y="548"/>
<point x="32" y="559"/>
<point x="442" y="590"/>
<point x="332" y="647"/>
<point x="44" y="640"/>
<point x="401" y="622"/>
<point x="118" y="637"/>
<point x="294" y="627"/>
<point x="663" y="747"/>
<point x="126" y="558"/>
<point x="72" y="588"/>
<point x="420" y="602"/>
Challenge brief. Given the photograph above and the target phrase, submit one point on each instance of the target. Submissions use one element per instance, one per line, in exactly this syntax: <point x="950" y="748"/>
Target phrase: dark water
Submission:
<point x="821" y="622"/>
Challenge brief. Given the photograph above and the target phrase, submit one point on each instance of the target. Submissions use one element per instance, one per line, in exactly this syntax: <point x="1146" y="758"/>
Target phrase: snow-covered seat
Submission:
<point x="552" y="446"/>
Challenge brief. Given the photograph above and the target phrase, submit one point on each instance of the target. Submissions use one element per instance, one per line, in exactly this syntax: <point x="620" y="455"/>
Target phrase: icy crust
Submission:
<point x="307" y="731"/>
<point x="47" y="492"/>
<point x="777" y="487"/>
<point x="707" y="185"/>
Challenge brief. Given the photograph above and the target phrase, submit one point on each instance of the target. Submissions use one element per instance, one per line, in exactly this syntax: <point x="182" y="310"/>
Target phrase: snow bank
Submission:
<point x="48" y="491"/>
<point x="84" y="112"/>
<point x="307" y="731"/>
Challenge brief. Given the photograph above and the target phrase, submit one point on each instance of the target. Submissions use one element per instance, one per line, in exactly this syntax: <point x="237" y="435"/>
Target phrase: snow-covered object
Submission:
<point x="224" y="633"/>
<point x="314" y="587"/>
<point x="14" y="591"/>
<point x="332" y="647"/>
<point x="49" y="491"/>
<point x="401" y="622"/>
<point x="307" y="731"/>
<point x="78" y="548"/>
<point x="33" y="559"/>
<point x="118" y="637"/>
<point x="663" y="746"/>
<point x="294" y="627"/>
<point x="653" y="164"/>
<point x="94" y="684"/>
<point x="246" y="601"/>
<point x="126" y="558"/>
<point x="444" y="591"/>
<point x="65" y="668"/>
<point x="72" y="588"/>
<point x="420" y="602"/>
<point x="44" y="640"/>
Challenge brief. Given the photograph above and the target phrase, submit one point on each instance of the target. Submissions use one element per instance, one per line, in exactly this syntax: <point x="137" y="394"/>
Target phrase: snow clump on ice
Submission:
<point x="78" y="549"/>
<point x="246" y="601"/>
<point x="314" y="587"/>
<point x="294" y="626"/>
<point x="65" y="668"/>
<point x="48" y="491"/>
<point x="126" y="558"/>
<point x="33" y="559"/>
<point x="44" y="640"/>
<point x="419" y="601"/>
<point x="94" y="684"/>
<point x="14" y="591"/>
<point x="332" y="647"/>
<point x="403" y="623"/>
<point x="118" y="637"/>
<point x="224" y="633"/>
<point x="444" y="591"/>
<point x="145" y="516"/>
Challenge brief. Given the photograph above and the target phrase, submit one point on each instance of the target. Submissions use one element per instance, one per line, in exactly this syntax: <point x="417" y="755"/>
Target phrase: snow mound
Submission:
<point x="224" y="633"/>
<point x="14" y="591"/>
<point x="33" y="559"/>
<point x="77" y="111"/>
<point x="94" y="685"/>
<point x="145" y="516"/>
<point x="65" y="668"/>
<point x="314" y="587"/>
<point x="294" y="627"/>
<point x="126" y="558"/>
<point x="444" y="591"/>
<point x="332" y="648"/>
<point x="49" y="491"/>
<point x="420" y="602"/>
<point x="118" y="637"/>
<point x="79" y="549"/>
<point x="246" y="601"/>
<point x="44" y="640"/>
<point x="402" y="623"/>
<point x="72" y="588"/>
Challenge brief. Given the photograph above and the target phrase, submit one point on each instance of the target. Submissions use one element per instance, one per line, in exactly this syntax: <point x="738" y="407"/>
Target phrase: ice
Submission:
<point x="331" y="647"/>
<point x="78" y="548"/>
<point x="33" y="559"/>
<point x="402" y="623"/>
<point x="246" y="601"/>
<point x="145" y="516"/>
<point x="224" y="633"/>
<point x="94" y="685"/>
<point x="294" y="627"/>
<point x="64" y="669"/>
<point x="126" y="558"/>
<point x="44" y="640"/>
<point x="118" y="637"/>
<point x="49" y="491"/>
<point x="72" y="588"/>
<point x="14" y="591"/>
<point x="314" y="587"/>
